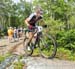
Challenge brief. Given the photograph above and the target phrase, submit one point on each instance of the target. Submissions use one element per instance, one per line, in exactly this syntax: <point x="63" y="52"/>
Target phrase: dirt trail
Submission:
<point x="42" y="63"/>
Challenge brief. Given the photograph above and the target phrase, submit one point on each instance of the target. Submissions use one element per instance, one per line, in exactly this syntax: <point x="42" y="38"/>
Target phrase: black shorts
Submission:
<point x="31" y="29"/>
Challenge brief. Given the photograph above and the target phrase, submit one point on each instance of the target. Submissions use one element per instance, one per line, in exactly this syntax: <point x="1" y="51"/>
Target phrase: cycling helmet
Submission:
<point x="38" y="9"/>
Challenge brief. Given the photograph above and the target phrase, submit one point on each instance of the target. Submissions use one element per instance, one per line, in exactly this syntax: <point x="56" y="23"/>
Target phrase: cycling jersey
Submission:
<point x="33" y="19"/>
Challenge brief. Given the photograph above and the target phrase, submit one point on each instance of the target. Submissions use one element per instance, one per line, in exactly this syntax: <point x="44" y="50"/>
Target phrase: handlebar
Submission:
<point x="44" y="26"/>
<point x="36" y="28"/>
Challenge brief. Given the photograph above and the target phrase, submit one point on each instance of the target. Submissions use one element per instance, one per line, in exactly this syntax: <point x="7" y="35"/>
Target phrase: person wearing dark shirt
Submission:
<point x="32" y="20"/>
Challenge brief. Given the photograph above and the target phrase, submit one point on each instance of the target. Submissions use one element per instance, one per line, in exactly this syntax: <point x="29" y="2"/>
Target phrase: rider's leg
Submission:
<point x="29" y="36"/>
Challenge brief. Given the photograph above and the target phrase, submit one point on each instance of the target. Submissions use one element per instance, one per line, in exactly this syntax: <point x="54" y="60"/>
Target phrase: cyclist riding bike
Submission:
<point x="36" y="37"/>
<point x="32" y="20"/>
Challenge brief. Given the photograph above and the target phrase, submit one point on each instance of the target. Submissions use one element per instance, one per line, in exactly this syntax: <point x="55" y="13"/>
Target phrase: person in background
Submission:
<point x="15" y="34"/>
<point x="10" y="34"/>
<point x="20" y="32"/>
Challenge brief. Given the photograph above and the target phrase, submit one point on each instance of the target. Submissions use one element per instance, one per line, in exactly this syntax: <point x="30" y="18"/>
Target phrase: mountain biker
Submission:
<point x="32" y="20"/>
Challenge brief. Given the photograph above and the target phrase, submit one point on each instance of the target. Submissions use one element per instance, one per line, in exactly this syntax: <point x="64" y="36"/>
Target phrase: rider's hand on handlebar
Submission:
<point x="30" y="26"/>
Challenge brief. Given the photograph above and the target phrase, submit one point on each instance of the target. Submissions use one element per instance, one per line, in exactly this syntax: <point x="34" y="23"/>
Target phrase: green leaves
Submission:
<point x="66" y="39"/>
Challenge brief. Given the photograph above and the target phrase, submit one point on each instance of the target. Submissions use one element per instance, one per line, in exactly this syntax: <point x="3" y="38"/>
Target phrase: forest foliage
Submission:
<point x="59" y="15"/>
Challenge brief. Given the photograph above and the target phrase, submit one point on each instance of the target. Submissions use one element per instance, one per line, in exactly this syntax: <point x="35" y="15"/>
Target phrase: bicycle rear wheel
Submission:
<point x="47" y="46"/>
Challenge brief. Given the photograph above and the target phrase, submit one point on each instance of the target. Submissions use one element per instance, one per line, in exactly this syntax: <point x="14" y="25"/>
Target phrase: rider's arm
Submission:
<point x="27" y="21"/>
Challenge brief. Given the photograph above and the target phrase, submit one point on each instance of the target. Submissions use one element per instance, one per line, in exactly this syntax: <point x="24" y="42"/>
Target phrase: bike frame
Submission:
<point x="38" y="33"/>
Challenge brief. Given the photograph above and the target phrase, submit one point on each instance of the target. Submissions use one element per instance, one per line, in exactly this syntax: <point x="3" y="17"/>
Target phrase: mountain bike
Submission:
<point x="43" y="41"/>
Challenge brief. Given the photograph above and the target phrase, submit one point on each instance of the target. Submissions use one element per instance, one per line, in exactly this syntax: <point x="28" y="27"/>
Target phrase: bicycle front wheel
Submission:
<point x="47" y="46"/>
<point x="27" y="47"/>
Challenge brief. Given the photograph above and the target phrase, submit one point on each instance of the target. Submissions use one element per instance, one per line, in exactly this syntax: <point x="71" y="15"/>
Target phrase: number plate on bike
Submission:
<point x="40" y="28"/>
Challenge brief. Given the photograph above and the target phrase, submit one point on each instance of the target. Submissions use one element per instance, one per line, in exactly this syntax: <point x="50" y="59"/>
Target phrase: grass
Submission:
<point x="62" y="53"/>
<point x="65" y="54"/>
<point x="36" y="52"/>
<point x="18" y="65"/>
<point x="2" y="57"/>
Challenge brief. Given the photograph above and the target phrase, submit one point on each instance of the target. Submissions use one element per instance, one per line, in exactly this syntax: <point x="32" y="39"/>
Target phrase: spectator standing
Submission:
<point x="15" y="33"/>
<point x="20" y="30"/>
<point x="10" y="33"/>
